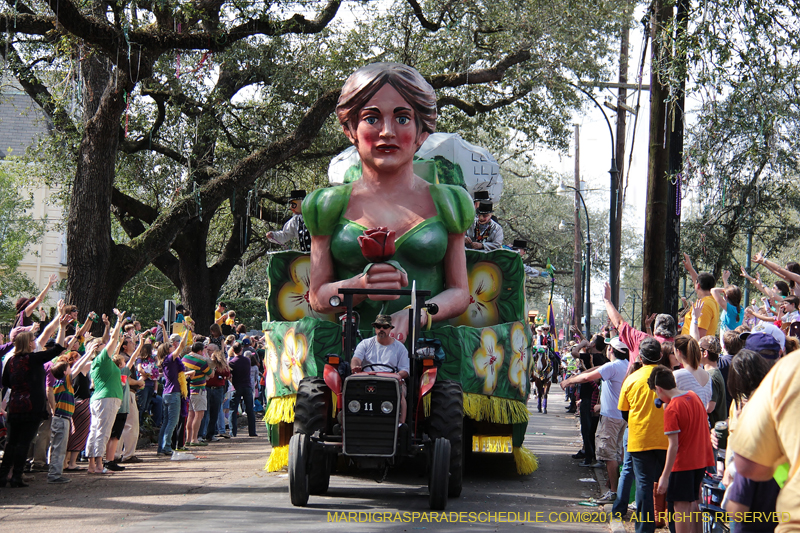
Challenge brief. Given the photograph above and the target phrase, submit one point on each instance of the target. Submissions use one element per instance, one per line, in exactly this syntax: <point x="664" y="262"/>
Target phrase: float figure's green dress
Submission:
<point x="420" y="251"/>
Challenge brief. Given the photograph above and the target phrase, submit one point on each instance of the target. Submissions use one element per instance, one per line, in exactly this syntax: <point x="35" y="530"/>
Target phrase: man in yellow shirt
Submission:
<point x="708" y="321"/>
<point x="647" y="443"/>
<point x="768" y="435"/>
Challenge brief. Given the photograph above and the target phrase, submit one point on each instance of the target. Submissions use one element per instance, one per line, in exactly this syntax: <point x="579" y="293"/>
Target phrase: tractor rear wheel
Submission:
<point x="447" y="421"/>
<point x="312" y="407"/>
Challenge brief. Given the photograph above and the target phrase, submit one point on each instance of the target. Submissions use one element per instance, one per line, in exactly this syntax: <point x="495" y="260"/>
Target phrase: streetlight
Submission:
<point x="561" y="191"/>
<point x="613" y="213"/>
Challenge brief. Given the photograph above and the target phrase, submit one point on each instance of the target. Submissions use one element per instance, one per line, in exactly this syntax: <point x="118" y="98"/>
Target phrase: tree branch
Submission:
<point x="478" y="107"/>
<point x="424" y="22"/>
<point x="128" y="205"/>
<point x="27" y="24"/>
<point x="164" y="230"/>
<point x="35" y="88"/>
<point x="481" y="76"/>
<point x="220" y="40"/>
<point x="131" y="146"/>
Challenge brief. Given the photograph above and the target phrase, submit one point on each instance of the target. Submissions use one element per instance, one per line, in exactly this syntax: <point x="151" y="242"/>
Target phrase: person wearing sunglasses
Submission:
<point x="295" y="227"/>
<point x="385" y="354"/>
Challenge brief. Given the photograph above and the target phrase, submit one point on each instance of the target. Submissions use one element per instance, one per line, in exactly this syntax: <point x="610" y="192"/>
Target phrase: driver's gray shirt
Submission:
<point x="370" y="351"/>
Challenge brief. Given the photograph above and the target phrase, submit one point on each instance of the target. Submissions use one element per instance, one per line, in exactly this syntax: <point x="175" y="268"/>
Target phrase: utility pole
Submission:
<point x="655" y="230"/>
<point x="675" y="168"/>
<point x="748" y="260"/>
<point x="577" y="281"/>
<point x="615" y="210"/>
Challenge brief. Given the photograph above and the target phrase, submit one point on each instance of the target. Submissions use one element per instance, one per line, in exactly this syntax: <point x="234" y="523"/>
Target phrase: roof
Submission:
<point x="21" y="122"/>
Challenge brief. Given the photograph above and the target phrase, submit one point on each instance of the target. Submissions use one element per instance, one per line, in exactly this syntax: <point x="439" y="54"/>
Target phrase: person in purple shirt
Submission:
<point x="240" y="377"/>
<point x="171" y="366"/>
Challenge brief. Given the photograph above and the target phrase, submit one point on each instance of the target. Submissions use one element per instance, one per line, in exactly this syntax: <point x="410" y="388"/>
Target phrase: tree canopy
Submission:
<point x="19" y="230"/>
<point x="188" y="121"/>
<point x="741" y="164"/>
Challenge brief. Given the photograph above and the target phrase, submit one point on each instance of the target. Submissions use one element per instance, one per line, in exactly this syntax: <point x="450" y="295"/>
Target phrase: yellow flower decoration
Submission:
<point x="293" y="298"/>
<point x="295" y="349"/>
<point x="271" y="364"/>
<point x="487" y="360"/>
<point x="485" y="283"/>
<point x="518" y="367"/>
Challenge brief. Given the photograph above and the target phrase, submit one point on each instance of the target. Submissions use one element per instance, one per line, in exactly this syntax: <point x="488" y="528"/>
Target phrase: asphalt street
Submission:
<point x="494" y="498"/>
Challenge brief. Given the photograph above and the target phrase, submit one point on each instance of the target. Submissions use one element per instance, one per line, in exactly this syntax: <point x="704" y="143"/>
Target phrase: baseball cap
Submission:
<point x="770" y="329"/>
<point x="175" y="338"/>
<point x="246" y="341"/>
<point x="617" y="344"/>
<point x="764" y="344"/>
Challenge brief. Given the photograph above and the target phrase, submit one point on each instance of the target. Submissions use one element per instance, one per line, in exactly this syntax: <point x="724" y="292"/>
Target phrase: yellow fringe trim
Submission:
<point x="281" y="409"/>
<point x="493" y="409"/>
<point x="279" y="458"/>
<point x="527" y="463"/>
<point x="426" y="405"/>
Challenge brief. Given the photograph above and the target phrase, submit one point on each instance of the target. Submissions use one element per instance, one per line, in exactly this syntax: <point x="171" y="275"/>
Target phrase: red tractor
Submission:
<point x="358" y="416"/>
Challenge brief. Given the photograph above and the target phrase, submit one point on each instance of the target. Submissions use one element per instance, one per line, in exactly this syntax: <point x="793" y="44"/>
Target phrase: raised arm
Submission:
<point x="776" y="268"/>
<point x="51" y="327"/>
<point x="40" y="298"/>
<point x="107" y="329"/>
<point x="77" y="368"/>
<point x="694" y="329"/>
<point x="87" y="324"/>
<point x="748" y="312"/>
<point x="137" y="353"/>
<point x="113" y="343"/>
<point x="611" y="310"/>
<point x="719" y="295"/>
<point x="687" y="264"/>
<point x="184" y="336"/>
<point x="63" y="322"/>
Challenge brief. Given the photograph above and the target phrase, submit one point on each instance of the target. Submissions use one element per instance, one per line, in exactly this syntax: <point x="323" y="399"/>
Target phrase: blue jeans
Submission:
<point x="172" y="411"/>
<point x="221" y="417"/>
<point x="243" y="395"/>
<point x="647" y="468"/>
<point x="157" y="408"/>
<point x="620" y="507"/>
<point x="144" y="398"/>
<point x="215" y="397"/>
<point x="201" y="432"/>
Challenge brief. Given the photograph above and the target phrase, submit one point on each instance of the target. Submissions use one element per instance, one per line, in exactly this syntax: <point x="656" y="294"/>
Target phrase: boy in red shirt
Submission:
<point x="689" y="451"/>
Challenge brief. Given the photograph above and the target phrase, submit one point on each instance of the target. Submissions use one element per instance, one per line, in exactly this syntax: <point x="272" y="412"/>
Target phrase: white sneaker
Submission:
<point x="632" y="507"/>
<point x="608" y="497"/>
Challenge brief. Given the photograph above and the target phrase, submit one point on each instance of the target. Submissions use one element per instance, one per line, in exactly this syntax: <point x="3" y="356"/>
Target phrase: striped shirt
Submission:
<point x="202" y="370"/>
<point x="65" y="397"/>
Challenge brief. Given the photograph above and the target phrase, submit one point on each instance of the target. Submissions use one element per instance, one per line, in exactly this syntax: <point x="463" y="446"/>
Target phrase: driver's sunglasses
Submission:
<point x="383" y="327"/>
<point x="293" y="205"/>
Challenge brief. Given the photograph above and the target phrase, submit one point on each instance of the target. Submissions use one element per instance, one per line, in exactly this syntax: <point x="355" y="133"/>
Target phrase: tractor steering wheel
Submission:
<point x="394" y="369"/>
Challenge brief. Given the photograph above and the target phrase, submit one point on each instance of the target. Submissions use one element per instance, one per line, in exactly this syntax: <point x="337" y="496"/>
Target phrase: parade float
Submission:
<point x="486" y="342"/>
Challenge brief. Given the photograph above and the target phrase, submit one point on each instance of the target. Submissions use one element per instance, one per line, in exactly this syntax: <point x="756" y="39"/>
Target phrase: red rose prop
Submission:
<point x="377" y="244"/>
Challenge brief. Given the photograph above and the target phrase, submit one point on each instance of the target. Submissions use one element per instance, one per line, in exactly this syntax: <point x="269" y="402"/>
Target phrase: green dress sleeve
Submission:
<point x="455" y="207"/>
<point x="323" y="208"/>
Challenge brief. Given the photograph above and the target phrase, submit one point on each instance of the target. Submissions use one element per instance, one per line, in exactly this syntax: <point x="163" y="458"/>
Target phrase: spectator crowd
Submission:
<point x="698" y="411"/>
<point x="695" y="405"/>
<point x="74" y="399"/>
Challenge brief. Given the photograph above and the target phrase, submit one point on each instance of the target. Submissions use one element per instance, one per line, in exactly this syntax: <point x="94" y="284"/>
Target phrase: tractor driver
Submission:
<point x="384" y="350"/>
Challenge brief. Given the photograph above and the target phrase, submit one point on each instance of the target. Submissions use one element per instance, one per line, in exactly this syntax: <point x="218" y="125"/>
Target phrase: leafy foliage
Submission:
<point x="218" y="99"/>
<point x="19" y="230"/>
<point x="741" y="163"/>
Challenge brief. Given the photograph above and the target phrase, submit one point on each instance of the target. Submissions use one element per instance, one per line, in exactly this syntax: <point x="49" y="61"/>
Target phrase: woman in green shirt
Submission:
<point x="106" y="398"/>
